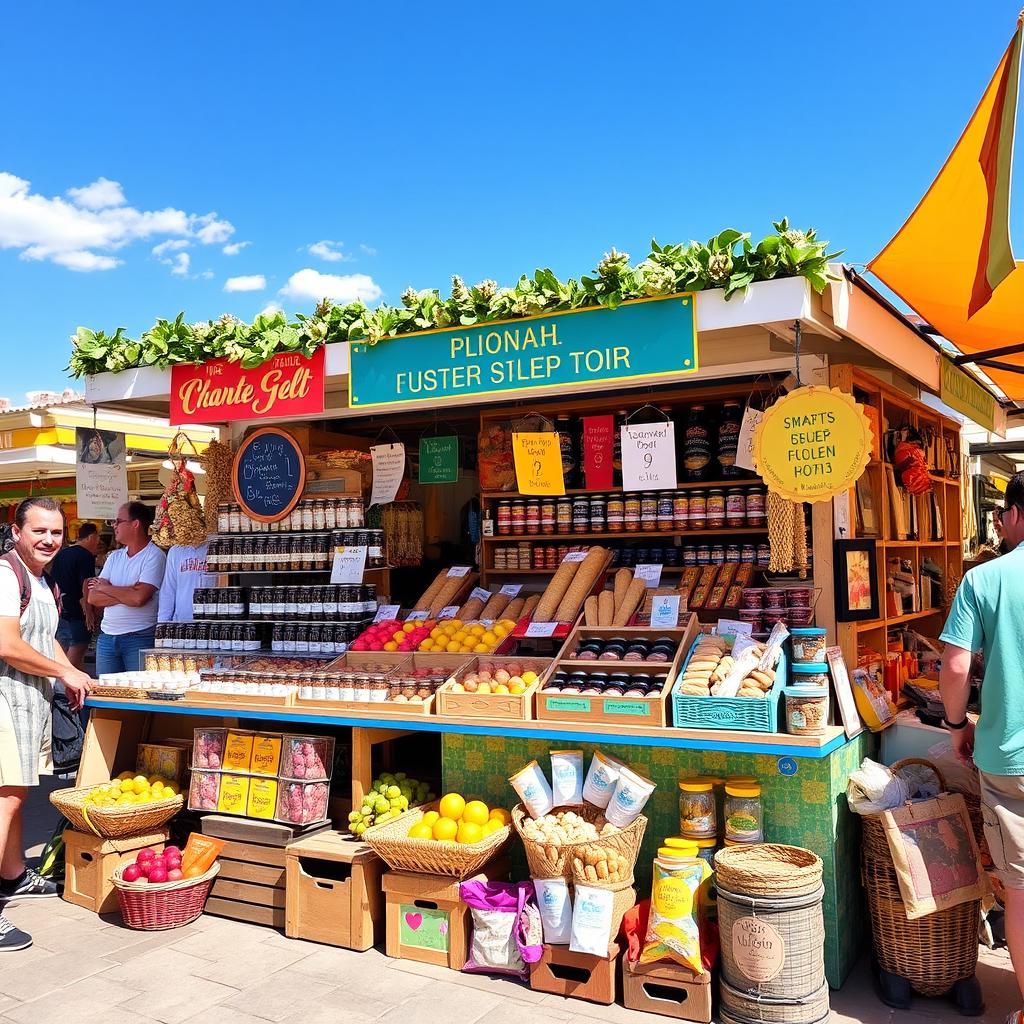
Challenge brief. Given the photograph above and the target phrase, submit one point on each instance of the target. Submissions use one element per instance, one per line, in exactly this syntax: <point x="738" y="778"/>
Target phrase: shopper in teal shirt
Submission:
<point x="988" y="615"/>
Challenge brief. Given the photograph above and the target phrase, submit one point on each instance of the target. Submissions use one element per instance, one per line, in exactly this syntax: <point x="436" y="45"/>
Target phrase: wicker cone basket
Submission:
<point x="768" y="869"/>
<point x="555" y="860"/>
<point x="114" y="822"/>
<point x="153" y="907"/>
<point x="392" y="844"/>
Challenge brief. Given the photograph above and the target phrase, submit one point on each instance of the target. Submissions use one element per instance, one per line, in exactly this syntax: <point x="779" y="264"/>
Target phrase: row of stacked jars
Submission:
<point x="528" y="555"/>
<point x="312" y="553"/>
<point x="647" y="511"/>
<point x="248" y="638"/>
<point x="307" y="515"/>
<point x="334" y="602"/>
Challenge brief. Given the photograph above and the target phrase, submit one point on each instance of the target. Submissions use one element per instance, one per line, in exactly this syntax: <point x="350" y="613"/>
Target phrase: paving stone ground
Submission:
<point x="83" y="968"/>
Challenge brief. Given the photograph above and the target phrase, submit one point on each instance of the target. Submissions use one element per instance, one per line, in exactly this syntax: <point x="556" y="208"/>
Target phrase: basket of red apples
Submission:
<point x="155" y="893"/>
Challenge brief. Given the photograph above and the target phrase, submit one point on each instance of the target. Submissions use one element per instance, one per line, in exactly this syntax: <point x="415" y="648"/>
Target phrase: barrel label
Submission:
<point x="758" y="949"/>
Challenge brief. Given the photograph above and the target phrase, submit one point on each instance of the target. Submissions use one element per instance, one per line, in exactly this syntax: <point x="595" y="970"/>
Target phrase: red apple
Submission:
<point x="145" y="854"/>
<point x="145" y="867"/>
<point x="174" y="875"/>
<point x="131" y="873"/>
<point x="172" y="851"/>
<point x="158" y="875"/>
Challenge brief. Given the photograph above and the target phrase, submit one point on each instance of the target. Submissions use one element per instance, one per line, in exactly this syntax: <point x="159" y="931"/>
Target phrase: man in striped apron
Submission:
<point x="30" y="662"/>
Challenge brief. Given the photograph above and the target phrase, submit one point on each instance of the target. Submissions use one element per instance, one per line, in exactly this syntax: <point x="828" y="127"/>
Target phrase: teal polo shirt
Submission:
<point x="988" y="615"/>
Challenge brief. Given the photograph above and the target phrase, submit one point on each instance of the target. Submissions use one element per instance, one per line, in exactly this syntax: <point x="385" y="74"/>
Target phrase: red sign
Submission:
<point x="598" y="442"/>
<point x="286" y="385"/>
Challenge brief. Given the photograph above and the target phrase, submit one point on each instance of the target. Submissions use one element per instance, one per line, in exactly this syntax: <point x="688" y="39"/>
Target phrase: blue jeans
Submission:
<point x="71" y="633"/>
<point x="121" y="653"/>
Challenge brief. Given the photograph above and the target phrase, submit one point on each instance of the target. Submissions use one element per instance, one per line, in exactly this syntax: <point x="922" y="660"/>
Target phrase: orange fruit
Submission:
<point x="452" y="805"/>
<point x="500" y="814"/>
<point x="476" y="812"/>
<point x="445" y="829"/>
<point x="469" y="832"/>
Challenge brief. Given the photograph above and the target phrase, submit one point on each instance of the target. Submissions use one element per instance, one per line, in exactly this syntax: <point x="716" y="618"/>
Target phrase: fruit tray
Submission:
<point x="455" y="703"/>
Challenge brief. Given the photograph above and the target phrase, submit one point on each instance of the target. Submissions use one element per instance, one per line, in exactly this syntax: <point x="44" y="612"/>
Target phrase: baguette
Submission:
<point x="471" y="609"/>
<point x="514" y="610"/>
<point x="591" y="615"/>
<point x="451" y="586"/>
<point x="431" y="592"/>
<point x="606" y="605"/>
<point x="497" y="604"/>
<point x="623" y="578"/>
<point x="581" y="584"/>
<point x="531" y="603"/>
<point x="548" y="604"/>
<point x="630" y="603"/>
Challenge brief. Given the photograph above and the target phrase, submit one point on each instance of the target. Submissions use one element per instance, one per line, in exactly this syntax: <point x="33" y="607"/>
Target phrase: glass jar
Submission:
<point x="504" y="524"/>
<point x="706" y="850"/>
<point x="598" y="513"/>
<point x="748" y="554"/>
<point x="538" y="556"/>
<point x="580" y="514"/>
<point x="341" y="514"/>
<point x="235" y="519"/>
<point x="728" y="436"/>
<point x="518" y="518"/>
<point x="648" y="511"/>
<point x="224" y="518"/>
<point x="631" y="513"/>
<point x="330" y="513"/>
<point x="620" y="422"/>
<point x="764" y="556"/>
<point x="716" y="509"/>
<point x="307" y="514"/>
<point x="563" y="515"/>
<point x="698" y="510"/>
<point x="755" y="502"/>
<point x="548" y="515"/>
<point x="717" y="554"/>
<point x="735" y="507"/>
<point x="319" y="515"/>
<point x="533" y="516"/>
<point x="356" y="515"/>
<point x="744" y="817"/>
<point x="568" y="449"/>
<point x="615" y="511"/>
<point x="697" y="808"/>
<point x="697" y="445"/>
<point x="666" y="512"/>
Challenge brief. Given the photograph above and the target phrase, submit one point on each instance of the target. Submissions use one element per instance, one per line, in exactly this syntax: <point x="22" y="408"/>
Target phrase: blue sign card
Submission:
<point x="642" y="339"/>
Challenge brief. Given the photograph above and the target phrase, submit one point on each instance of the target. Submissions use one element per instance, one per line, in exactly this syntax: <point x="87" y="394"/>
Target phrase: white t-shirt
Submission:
<point x="145" y="567"/>
<point x="10" y="592"/>
<point x="186" y="570"/>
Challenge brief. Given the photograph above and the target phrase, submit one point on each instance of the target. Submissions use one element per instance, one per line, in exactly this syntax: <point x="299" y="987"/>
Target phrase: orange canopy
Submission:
<point x="952" y="260"/>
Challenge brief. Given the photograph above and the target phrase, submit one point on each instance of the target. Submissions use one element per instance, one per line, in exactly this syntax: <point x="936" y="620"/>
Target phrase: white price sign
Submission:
<point x="649" y="456"/>
<point x="735" y="627"/>
<point x="649" y="573"/>
<point x="449" y="611"/>
<point x="348" y="565"/>
<point x="417" y="616"/>
<point x="388" y="470"/>
<point x="665" y="611"/>
<point x="387" y="611"/>
<point x="458" y="570"/>
<point x="541" y="628"/>
<point x="575" y="556"/>
<point x="511" y="589"/>
<point x="480" y="594"/>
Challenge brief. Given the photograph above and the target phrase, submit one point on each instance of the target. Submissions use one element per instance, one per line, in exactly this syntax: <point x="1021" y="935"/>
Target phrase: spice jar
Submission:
<point x="744" y="818"/>
<point x="735" y="507"/>
<point x="666" y="511"/>
<point x="580" y="514"/>
<point x="698" y="510"/>
<point x="716" y="509"/>
<point x="807" y="644"/>
<point x="681" y="511"/>
<point x="597" y="513"/>
<point x="615" y="510"/>
<point x="548" y="515"/>
<point x="648" y="511"/>
<point x="563" y="515"/>
<point x="806" y="710"/>
<point x="504" y="518"/>
<point x="319" y="515"/>
<point x="533" y="516"/>
<point x="631" y="513"/>
<point x="755" y="501"/>
<point x="518" y="518"/>
<point x="697" y="808"/>
<point x="697" y="446"/>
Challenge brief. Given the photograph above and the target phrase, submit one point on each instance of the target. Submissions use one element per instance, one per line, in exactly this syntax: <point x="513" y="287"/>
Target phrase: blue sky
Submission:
<point x="417" y="141"/>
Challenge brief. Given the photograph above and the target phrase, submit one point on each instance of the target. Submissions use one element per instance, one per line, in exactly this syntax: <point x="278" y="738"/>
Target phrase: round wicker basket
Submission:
<point x="157" y="906"/>
<point x="768" y="869"/>
<point x="114" y="822"/>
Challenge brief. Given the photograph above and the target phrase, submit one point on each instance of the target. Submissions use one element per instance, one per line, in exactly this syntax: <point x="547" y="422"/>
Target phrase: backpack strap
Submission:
<point x="25" y="584"/>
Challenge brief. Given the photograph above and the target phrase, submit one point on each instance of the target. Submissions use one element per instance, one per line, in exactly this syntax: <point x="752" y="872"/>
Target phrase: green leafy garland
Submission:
<point x="729" y="261"/>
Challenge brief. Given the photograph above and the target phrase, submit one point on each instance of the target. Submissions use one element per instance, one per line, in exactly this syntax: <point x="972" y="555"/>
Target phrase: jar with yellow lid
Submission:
<point x="697" y="817"/>
<point x="677" y="852"/>
<point x="744" y="817"/>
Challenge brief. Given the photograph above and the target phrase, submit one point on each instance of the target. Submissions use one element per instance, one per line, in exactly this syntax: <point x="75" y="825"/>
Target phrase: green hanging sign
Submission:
<point x="439" y="460"/>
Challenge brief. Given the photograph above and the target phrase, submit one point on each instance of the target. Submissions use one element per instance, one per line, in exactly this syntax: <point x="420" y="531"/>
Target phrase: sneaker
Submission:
<point x="31" y="886"/>
<point x="11" y="938"/>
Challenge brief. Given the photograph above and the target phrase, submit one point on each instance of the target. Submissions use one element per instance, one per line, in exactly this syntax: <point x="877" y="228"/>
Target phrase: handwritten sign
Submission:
<point x="598" y="445"/>
<point x="218" y="391"/>
<point x="648" y="456"/>
<point x="541" y="629"/>
<point x="649" y="573"/>
<point x="665" y="611"/>
<point x="538" y="462"/>
<point x="417" y="616"/>
<point x="458" y="571"/>
<point x="388" y="471"/>
<point x="348" y="565"/>
<point x="387" y="611"/>
<point x="268" y="474"/>
<point x="575" y="556"/>
<point x="480" y="594"/>
<point x="734" y="627"/>
<point x="439" y="460"/>
<point x="101" y="472"/>
<point x="511" y="589"/>
<point x="449" y="611"/>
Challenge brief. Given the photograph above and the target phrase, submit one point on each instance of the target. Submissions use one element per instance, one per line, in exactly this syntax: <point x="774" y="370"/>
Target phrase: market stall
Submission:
<point x="606" y="569"/>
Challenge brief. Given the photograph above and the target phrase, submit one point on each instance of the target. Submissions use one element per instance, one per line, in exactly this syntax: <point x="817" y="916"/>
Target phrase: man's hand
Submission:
<point x="963" y="743"/>
<point x="77" y="686"/>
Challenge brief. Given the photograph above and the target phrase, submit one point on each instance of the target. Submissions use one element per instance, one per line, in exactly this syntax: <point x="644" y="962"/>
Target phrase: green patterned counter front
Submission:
<point x="806" y="807"/>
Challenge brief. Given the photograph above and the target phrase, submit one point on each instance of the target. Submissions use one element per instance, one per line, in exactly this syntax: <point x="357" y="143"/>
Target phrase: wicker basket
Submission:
<point x="114" y="822"/>
<point x="392" y="844"/>
<point x="768" y="869"/>
<point x="554" y="861"/>
<point x="153" y="907"/>
<point x="742" y="1007"/>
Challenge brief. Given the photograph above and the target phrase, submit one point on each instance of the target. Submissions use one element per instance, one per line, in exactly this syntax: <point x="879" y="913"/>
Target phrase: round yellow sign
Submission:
<point x="812" y="444"/>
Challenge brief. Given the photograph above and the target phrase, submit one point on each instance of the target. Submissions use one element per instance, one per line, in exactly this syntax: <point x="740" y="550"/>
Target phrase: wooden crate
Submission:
<point x="90" y="861"/>
<point x="518" y="707"/>
<point x="251" y="883"/>
<point x="242" y="701"/>
<point x="579" y="975"/>
<point x="667" y="988"/>
<point x="426" y="919"/>
<point x="333" y="891"/>
<point x="644" y="711"/>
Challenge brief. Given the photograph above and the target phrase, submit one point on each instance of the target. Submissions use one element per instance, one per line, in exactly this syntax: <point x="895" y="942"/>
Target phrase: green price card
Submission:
<point x="439" y="460"/>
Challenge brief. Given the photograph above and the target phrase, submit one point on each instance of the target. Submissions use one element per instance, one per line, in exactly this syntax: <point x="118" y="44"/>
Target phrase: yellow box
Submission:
<point x="159" y="759"/>
<point x="234" y="794"/>
<point x="238" y="751"/>
<point x="262" y="798"/>
<point x="266" y="754"/>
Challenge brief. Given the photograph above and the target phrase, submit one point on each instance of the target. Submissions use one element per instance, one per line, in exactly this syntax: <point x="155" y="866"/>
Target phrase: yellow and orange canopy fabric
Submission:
<point x="952" y="260"/>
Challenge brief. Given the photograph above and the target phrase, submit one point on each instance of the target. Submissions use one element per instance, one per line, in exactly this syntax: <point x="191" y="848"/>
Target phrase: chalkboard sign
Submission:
<point x="268" y="474"/>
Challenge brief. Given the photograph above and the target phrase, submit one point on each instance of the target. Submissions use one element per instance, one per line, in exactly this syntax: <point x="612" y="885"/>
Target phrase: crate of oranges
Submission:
<point x="452" y="836"/>
<point x="455" y="636"/>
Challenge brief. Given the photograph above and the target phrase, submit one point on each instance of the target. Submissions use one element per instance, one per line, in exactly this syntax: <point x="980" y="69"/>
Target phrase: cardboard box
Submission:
<point x="333" y="891"/>
<point x="169" y="762"/>
<point x="667" y="988"/>
<point x="579" y="975"/>
<point x="90" y="861"/>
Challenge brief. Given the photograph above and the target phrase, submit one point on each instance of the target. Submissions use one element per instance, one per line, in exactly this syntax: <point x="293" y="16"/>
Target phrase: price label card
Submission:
<point x="511" y="589"/>
<point x="649" y="573"/>
<point x="649" y="457"/>
<point x="387" y="611"/>
<point x="742" y="645"/>
<point x="665" y="611"/>
<point x="541" y="628"/>
<point x="575" y="556"/>
<point x="458" y="570"/>
<point x="348" y="565"/>
<point x="388" y="470"/>
<point x="481" y="594"/>
<point x="417" y="616"/>
<point x="449" y="611"/>
<point x="735" y="627"/>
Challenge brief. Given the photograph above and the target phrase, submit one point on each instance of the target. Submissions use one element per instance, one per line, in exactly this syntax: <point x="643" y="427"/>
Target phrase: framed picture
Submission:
<point x="844" y="692"/>
<point x="866" y="516"/>
<point x="856" y="578"/>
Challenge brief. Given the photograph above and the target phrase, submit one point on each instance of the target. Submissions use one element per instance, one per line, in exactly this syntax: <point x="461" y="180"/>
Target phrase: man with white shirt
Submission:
<point x="186" y="570"/>
<point x="126" y="590"/>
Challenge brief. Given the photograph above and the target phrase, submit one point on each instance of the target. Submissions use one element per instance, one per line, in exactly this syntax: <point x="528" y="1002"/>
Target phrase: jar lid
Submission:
<point x="805" y="668"/>
<point x="805" y="691"/>
<point x="705" y="844"/>
<point x="807" y="631"/>
<point x="744" y="789"/>
<point x="678" y="852"/>
<point x="678" y="842"/>
<point x="696" y="786"/>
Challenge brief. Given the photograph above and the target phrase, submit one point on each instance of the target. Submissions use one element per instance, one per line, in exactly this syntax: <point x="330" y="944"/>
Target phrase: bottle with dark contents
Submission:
<point x="697" y="447"/>
<point x="728" y="436"/>
<point x="620" y="422"/>
<point x="331" y="602"/>
<point x="305" y="603"/>
<point x="569" y="449"/>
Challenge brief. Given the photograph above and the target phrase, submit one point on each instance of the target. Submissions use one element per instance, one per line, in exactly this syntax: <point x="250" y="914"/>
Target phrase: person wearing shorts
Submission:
<point x="987" y="615"/>
<point x="30" y="661"/>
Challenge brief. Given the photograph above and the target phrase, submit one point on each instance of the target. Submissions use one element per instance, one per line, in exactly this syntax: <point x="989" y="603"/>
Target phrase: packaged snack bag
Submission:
<point x="673" y="929"/>
<point x="567" y="777"/>
<point x="199" y="854"/>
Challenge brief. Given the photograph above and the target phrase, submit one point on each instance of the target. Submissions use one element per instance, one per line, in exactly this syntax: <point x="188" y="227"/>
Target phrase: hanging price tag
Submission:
<point x="348" y="564"/>
<point x="511" y="589"/>
<point x="649" y="573"/>
<point x="458" y="570"/>
<point x="665" y="611"/>
<point x="449" y="611"/>
<point x="388" y="469"/>
<point x="387" y="611"/>
<point x="541" y="628"/>
<point x="649" y="457"/>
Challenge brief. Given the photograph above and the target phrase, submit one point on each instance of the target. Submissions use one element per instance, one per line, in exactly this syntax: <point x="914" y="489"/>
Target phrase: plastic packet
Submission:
<point x="673" y="928"/>
<point x="533" y="789"/>
<point x="602" y="776"/>
<point x="592" y="920"/>
<point x="555" y="907"/>
<point x="631" y="794"/>
<point x="199" y="854"/>
<point x="567" y="777"/>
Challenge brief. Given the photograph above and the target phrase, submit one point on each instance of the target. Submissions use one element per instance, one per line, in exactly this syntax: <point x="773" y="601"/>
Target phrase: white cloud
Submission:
<point x="81" y="233"/>
<point x="234" y="248"/>
<point x="100" y="195"/>
<point x="271" y="308"/>
<point x="311" y="284"/>
<point x="329" y="251"/>
<point x="171" y="245"/>
<point x="206" y="275"/>
<point x="246" y="283"/>
<point x="180" y="264"/>
<point x="369" y="250"/>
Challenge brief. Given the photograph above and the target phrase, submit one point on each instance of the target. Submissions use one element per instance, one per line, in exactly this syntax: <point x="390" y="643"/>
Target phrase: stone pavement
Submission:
<point x="83" y="969"/>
